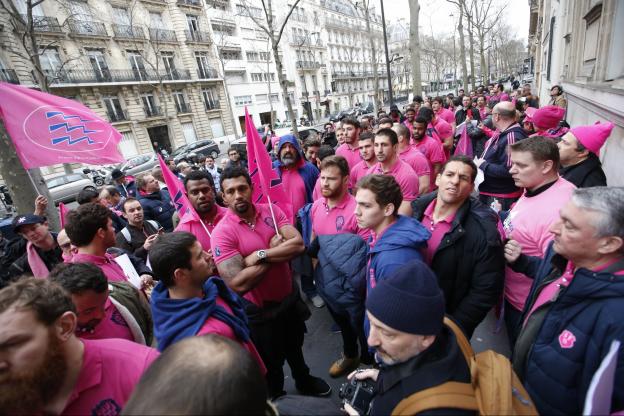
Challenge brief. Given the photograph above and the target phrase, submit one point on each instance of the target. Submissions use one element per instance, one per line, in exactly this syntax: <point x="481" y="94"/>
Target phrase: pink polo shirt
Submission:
<point x="215" y="326"/>
<point x="446" y="115"/>
<point x="234" y="236"/>
<point x="190" y="224"/>
<point x="438" y="231"/>
<point x="352" y="154"/>
<point x="337" y="220"/>
<point x="295" y="187"/>
<point x="417" y="161"/>
<point x="404" y="175"/>
<point x="359" y="171"/>
<point x="112" y="326"/>
<point x="434" y="152"/>
<point x="112" y="271"/>
<point x="445" y="130"/>
<point x="111" y="368"/>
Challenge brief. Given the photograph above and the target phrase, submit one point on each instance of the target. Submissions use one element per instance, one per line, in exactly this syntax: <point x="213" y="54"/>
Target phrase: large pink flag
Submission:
<point x="176" y="190"/>
<point x="464" y="145"/>
<point x="47" y="129"/>
<point x="267" y="183"/>
<point x="62" y="213"/>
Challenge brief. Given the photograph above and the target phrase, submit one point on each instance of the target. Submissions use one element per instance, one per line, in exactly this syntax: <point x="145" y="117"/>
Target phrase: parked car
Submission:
<point x="65" y="188"/>
<point x="365" y="108"/>
<point x="206" y="147"/>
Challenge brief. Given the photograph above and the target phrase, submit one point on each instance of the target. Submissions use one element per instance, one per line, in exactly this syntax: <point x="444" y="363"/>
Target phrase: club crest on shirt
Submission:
<point x="107" y="407"/>
<point x="567" y="339"/>
<point x="269" y="222"/>
<point x="339" y="222"/>
<point x="118" y="319"/>
<point x="217" y="252"/>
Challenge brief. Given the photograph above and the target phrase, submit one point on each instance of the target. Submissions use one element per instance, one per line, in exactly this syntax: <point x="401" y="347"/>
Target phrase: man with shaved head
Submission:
<point x="495" y="161"/>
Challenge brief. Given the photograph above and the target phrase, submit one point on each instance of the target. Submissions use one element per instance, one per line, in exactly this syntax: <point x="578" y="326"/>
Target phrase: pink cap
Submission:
<point x="530" y="113"/>
<point x="274" y="139"/>
<point x="548" y="117"/>
<point x="594" y="136"/>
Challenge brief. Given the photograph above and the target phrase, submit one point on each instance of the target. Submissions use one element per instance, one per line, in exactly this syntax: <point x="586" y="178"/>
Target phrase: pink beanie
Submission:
<point x="530" y="113"/>
<point x="548" y="117"/>
<point x="593" y="137"/>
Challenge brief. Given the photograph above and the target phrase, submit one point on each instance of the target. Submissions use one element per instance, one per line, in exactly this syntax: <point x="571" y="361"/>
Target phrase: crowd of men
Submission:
<point x="393" y="226"/>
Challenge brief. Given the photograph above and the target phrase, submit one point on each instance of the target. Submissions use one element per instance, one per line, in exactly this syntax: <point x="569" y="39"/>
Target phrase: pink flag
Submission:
<point x="62" y="213"/>
<point x="464" y="145"/>
<point x="267" y="183"/>
<point x="47" y="129"/>
<point x="176" y="190"/>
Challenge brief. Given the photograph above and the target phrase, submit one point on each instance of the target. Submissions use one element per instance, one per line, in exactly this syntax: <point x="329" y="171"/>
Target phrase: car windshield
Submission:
<point x="180" y="150"/>
<point x="135" y="161"/>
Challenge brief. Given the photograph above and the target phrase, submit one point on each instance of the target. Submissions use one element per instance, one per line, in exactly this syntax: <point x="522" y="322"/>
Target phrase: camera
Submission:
<point x="358" y="394"/>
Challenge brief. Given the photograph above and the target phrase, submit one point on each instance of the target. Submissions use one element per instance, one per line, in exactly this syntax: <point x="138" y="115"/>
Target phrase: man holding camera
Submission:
<point x="415" y="350"/>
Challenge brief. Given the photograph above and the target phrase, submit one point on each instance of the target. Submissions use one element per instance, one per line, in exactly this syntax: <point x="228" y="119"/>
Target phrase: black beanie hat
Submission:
<point x="410" y="300"/>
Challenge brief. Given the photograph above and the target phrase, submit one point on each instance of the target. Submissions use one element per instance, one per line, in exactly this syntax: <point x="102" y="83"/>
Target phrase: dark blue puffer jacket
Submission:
<point x="157" y="206"/>
<point x="309" y="173"/>
<point x="574" y="337"/>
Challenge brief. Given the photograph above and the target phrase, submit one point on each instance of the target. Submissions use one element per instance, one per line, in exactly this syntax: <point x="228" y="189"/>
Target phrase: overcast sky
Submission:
<point x="437" y="12"/>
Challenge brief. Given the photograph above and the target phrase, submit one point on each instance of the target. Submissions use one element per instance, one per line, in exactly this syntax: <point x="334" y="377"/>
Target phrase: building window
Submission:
<point x="275" y="98"/>
<point x="180" y="102"/>
<point x="615" y="59"/>
<point x="50" y="61"/>
<point x="242" y="100"/>
<point x="261" y="99"/>
<point x="211" y="101"/>
<point x="592" y="36"/>
<point x="149" y="105"/>
<point x="262" y="77"/>
<point x="137" y="65"/>
<point x="203" y="66"/>
<point x="98" y="64"/>
<point x="113" y="109"/>
<point x="230" y="55"/>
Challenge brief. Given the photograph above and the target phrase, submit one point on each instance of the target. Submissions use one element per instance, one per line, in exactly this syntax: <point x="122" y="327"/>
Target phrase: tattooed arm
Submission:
<point x="239" y="278"/>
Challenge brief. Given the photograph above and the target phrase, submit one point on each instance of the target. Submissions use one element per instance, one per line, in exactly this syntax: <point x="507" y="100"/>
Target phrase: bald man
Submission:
<point x="496" y="161"/>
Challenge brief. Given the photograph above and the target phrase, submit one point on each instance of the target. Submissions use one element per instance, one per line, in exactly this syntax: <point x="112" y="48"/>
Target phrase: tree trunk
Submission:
<point x="371" y="44"/>
<point x="462" y="49"/>
<point x="268" y="71"/>
<point x="280" y="76"/>
<point x="19" y="184"/>
<point x="472" y="63"/>
<point x="414" y="47"/>
<point x="484" y="68"/>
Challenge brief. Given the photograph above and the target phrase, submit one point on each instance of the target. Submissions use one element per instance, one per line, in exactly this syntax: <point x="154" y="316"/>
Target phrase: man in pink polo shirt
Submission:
<point x="410" y="116"/>
<point x="366" y="143"/>
<point x="413" y="157"/>
<point x="103" y="309"/>
<point x="200" y="189"/>
<point x="350" y="149"/>
<point x="430" y="147"/>
<point x="46" y="369"/>
<point x="437" y="105"/>
<point x="187" y="301"/>
<point x="534" y="167"/>
<point x="388" y="163"/>
<point x="253" y="261"/>
<point x="90" y="229"/>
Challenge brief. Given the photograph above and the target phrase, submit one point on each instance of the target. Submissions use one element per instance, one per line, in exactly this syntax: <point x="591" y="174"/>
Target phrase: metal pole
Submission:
<point x="383" y="24"/>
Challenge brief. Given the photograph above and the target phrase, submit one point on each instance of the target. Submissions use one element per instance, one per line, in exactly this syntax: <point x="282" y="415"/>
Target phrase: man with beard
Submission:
<point x="430" y="147"/>
<point x="298" y="175"/>
<point x="349" y="149"/>
<point x="157" y="205"/>
<point x="310" y="149"/>
<point x="366" y="144"/>
<point x="417" y="161"/>
<point x="389" y="163"/>
<point x="410" y="116"/>
<point x="253" y="261"/>
<point x="46" y="369"/>
<point x="200" y="190"/>
<point x="139" y="235"/>
<point x="464" y="249"/>
<point x="416" y="351"/>
<point x="105" y="310"/>
<point x="467" y="112"/>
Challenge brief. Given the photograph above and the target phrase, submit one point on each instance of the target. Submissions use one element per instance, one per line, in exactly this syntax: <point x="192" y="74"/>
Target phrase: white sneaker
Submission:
<point x="317" y="301"/>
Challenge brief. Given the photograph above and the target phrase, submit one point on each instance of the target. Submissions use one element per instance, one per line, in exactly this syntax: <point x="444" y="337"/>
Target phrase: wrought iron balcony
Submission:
<point x="89" y="76"/>
<point x="40" y="24"/>
<point x="212" y="105"/>
<point x="87" y="28"/>
<point x="192" y="3"/>
<point x="197" y="36"/>
<point x="328" y="92"/>
<point x="128" y="32"/>
<point x="152" y="111"/>
<point x="310" y="65"/>
<point x="117" y="116"/>
<point x="9" y="75"/>
<point x="176" y="74"/>
<point x="183" y="108"/>
<point x="207" y="73"/>
<point x="162" y="35"/>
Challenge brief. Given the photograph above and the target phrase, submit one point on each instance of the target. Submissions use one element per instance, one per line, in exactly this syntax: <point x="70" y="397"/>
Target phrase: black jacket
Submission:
<point x="137" y="239"/>
<point x="586" y="174"/>
<point x="158" y="207"/>
<point x="460" y="116"/>
<point x="469" y="262"/>
<point x="443" y="361"/>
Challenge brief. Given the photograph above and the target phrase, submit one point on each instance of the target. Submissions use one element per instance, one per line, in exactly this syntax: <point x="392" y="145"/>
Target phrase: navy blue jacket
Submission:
<point x="130" y="187"/>
<point x="309" y="173"/>
<point x="574" y="336"/>
<point x="495" y="169"/>
<point x="157" y="206"/>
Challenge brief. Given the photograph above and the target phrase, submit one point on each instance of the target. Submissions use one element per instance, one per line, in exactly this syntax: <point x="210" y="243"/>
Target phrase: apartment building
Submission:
<point x="576" y="44"/>
<point x="148" y="66"/>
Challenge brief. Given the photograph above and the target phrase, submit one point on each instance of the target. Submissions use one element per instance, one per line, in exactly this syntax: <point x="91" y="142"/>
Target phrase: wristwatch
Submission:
<point x="262" y="254"/>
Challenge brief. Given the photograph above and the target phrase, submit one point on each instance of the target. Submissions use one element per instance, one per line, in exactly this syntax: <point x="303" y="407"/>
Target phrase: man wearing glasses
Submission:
<point x="235" y="159"/>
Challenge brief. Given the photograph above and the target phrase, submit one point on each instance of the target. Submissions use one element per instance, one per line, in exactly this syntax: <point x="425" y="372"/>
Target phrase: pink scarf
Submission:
<point x="37" y="266"/>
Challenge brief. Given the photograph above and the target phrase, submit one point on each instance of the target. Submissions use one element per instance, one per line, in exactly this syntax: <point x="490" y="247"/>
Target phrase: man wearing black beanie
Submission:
<point x="413" y="347"/>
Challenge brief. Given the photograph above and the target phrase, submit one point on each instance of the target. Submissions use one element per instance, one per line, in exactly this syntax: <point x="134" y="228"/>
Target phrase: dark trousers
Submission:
<point x="512" y="322"/>
<point x="351" y="336"/>
<point x="277" y="340"/>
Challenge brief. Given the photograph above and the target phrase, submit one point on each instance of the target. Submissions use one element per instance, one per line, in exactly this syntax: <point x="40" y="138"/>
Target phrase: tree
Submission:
<point x="484" y="17"/>
<point x="265" y="20"/>
<point x="462" y="43"/>
<point x="366" y="7"/>
<point x="414" y="47"/>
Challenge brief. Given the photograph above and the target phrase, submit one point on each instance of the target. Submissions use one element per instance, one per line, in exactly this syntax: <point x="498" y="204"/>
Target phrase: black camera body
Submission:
<point x="358" y="394"/>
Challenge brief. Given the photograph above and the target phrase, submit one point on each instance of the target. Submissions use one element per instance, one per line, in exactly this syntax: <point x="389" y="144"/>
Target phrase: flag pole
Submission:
<point x="32" y="181"/>
<point x="272" y="214"/>
<point x="204" y="225"/>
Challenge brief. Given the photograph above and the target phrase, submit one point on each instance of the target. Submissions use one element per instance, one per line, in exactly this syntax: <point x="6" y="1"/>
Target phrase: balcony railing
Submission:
<point x="87" y="28"/>
<point x="88" y="76"/>
<point x="197" y="36"/>
<point x="328" y="92"/>
<point x="211" y="105"/>
<point x="128" y="32"/>
<point x="192" y="3"/>
<point x="299" y="40"/>
<point x="207" y="73"/>
<point x="308" y="65"/>
<point x="162" y="35"/>
<point x="40" y="24"/>
<point x="117" y="116"/>
<point x="316" y="92"/>
<point x="153" y="111"/>
<point x="183" y="108"/>
<point x="9" y="75"/>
